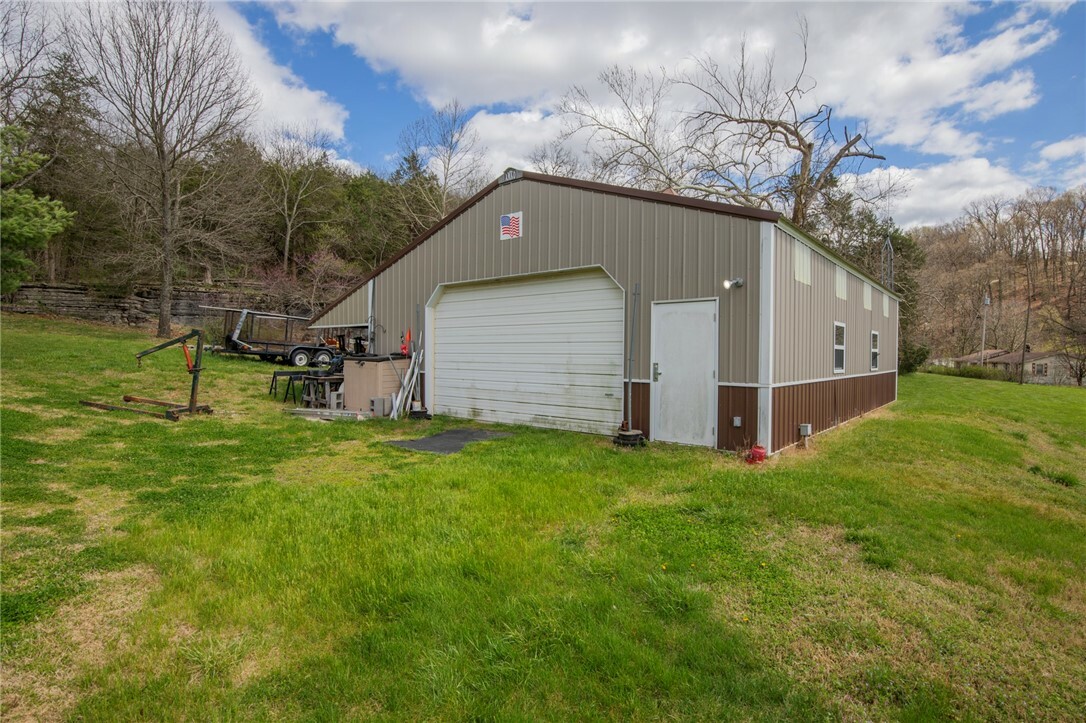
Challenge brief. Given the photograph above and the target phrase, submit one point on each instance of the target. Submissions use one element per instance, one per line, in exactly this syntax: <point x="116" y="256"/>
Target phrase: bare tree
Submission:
<point x="787" y="148"/>
<point x="171" y="89"/>
<point x="557" y="159"/>
<point x="25" y="53"/>
<point x="298" y="176"/>
<point x="1068" y="332"/>
<point x="444" y="145"/>
<point x="225" y="221"/>
<point x="635" y="137"/>
<point x="1026" y="253"/>
<point x="746" y="138"/>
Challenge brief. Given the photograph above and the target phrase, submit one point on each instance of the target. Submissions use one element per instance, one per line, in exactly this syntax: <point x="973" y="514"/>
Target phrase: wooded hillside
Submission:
<point x="131" y="154"/>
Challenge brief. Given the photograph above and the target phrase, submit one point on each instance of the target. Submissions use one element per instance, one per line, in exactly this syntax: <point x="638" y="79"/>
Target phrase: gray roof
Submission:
<point x="1015" y="357"/>
<point x="975" y="357"/>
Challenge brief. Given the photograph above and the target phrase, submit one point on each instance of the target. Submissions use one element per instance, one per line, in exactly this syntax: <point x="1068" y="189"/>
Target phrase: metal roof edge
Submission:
<point x="512" y="175"/>
<point x="829" y="253"/>
<point x="655" y="196"/>
<point x="456" y="212"/>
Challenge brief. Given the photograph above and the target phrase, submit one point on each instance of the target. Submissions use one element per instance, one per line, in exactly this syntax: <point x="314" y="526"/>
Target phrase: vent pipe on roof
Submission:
<point x="888" y="264"/>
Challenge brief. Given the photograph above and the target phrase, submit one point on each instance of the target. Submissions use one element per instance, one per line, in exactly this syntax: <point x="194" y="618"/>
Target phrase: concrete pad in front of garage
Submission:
<point x="447" y="442"/>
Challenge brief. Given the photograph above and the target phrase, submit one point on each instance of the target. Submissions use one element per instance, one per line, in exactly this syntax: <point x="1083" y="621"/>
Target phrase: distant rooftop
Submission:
<point x="975" y="357"/>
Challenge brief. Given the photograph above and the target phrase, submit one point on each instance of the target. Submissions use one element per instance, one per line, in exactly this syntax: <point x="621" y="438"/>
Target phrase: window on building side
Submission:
<point x="867" y="296"/>
<point x="838" y="347"/>
<point x="886" y="306"/>
<point x="874" y="350"/>
<point x="802" y="260"/>
<point x="842" y="283"/>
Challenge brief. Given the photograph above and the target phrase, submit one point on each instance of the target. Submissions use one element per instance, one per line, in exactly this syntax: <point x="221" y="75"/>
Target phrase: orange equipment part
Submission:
<point x="188" y="357"/>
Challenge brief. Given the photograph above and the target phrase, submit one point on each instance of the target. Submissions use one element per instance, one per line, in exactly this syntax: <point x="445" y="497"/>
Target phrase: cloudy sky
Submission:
<point x="964" y="100"/>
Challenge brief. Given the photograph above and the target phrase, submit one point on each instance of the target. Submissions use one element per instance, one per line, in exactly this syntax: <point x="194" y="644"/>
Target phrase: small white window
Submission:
<point x="842" y="284"/>
<point x="838" y="347"/>
<point x="802" y="259"/>
<point x="867" y="296"/>
<point x="874" y="350"/>
<point x="886" y="306"/>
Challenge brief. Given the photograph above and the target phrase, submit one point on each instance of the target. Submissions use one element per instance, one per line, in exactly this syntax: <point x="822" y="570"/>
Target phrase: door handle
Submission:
<point x="656" y="373"/>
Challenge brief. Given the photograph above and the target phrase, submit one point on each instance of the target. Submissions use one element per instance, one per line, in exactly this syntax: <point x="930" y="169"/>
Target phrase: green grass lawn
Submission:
<point x="926" y="562"/>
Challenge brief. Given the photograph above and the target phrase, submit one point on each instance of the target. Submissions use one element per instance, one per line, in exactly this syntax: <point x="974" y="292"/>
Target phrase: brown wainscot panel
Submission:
<point x="639" y="398"/>
<point x="739" y="402"/>
<point x="826" y="404"/>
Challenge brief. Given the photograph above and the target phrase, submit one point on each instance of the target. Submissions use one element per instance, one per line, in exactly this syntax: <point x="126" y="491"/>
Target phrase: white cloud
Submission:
<point x="920" y="81"/>
<point x="511" y="137"/>
<point x="908" y="70"/>
<point x="1016" y="92"/>
<point x="1062" y="163"/>
<point x="1073" y="147"/>
<point x="905" y="67"/>
<point x="938" y="193"/>
<point x="286" y="99"/>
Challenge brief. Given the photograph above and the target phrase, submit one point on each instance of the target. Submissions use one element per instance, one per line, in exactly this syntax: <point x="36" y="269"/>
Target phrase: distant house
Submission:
<point x="976" y="359"/>
<point x="1042" y="367"/>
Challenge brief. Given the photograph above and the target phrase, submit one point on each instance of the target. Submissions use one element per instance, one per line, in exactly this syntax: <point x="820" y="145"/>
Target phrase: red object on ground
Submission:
<point x="756" y="454"/>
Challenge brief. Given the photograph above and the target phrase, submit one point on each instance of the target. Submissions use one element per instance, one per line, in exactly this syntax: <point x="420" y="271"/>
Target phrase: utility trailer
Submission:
<point x="272" y="337"/>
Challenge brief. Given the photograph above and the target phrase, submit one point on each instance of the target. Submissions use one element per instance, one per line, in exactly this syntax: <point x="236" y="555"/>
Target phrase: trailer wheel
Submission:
<point x="323" y="357"/>
<point x="300" y="357"/>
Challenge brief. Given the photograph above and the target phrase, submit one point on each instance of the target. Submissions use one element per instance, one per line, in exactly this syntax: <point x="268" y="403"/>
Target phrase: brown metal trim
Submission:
<point x="736" y="402"/>
<point x="655" y="196"/>
<point x="732" y="402"/>
<point x="670" y="199"/>
<point x="639" y="400"/>
<point x="826" y="404"/>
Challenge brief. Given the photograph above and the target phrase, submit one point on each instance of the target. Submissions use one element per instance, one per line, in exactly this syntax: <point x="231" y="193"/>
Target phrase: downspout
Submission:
<point x="371" y="332"/>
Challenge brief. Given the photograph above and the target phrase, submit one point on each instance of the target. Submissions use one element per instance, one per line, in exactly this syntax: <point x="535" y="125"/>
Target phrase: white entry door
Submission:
<point x="683" y="372"/>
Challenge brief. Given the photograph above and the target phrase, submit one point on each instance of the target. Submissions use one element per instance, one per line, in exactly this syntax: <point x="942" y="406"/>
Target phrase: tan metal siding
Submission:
<point x="351" y="311"/>
<point x="675" y="253"/>
<point x="804" y="315"/>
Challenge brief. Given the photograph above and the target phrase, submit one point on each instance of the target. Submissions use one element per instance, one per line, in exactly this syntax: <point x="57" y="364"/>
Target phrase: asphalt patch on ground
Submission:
<point x="447" y="442"/>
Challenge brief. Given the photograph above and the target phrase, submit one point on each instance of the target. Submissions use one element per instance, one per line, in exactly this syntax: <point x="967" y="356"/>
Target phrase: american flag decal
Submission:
<point x="510" y="225"/>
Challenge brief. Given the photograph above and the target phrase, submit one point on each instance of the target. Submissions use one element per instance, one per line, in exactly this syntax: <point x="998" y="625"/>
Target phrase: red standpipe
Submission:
<point x="756" y="455"/>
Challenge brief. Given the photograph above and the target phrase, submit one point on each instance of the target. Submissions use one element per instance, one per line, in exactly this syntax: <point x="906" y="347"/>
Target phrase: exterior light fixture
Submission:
<point x="733" y="283"/>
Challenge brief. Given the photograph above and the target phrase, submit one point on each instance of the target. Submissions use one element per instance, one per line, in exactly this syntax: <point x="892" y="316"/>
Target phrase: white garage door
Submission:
<point x="543" y="350"/>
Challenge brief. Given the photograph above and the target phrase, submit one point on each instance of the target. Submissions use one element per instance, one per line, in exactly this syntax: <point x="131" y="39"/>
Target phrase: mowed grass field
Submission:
<point x="925" y="562"/>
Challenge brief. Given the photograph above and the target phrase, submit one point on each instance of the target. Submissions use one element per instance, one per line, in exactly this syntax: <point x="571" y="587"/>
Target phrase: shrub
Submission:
<point x="911" y="357"/>
<point x="971" y="372"/>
